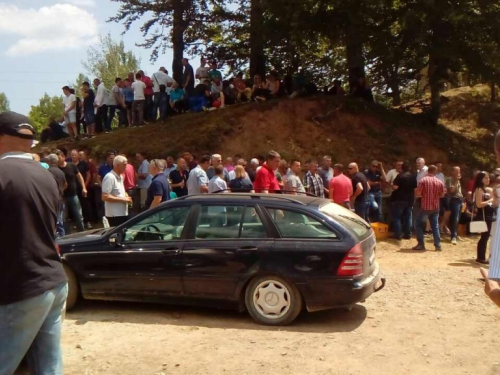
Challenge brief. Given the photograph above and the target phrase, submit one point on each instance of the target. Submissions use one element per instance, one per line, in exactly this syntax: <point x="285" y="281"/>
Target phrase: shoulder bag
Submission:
<point x="478" y="226"/>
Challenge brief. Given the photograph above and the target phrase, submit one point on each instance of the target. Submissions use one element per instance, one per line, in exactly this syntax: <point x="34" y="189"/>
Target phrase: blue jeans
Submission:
<point x="377" y="198"/>
<point x="60" y="232"/>
<point x="161" y="103"/>
<point x="33" y="327"/>
<point x="401" y="212"/>
<point x="455" y="208"/>
<point x="421" y="221"/>
<point x="362" y="208"/>
<point x="73" y="204"/>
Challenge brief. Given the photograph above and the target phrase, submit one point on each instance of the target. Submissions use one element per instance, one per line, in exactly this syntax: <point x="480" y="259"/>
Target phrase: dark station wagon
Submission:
<point x="271" y="254"/>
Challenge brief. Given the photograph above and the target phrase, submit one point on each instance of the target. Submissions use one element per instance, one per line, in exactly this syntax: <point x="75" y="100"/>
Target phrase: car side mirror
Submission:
<point x="115" y="239"/>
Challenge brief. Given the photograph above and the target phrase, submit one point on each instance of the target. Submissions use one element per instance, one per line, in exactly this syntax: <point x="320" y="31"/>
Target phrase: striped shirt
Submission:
<point x="431" y="190"/>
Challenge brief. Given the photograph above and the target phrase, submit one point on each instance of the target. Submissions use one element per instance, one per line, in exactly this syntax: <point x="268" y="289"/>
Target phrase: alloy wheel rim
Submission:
<point x="271" y="299"/>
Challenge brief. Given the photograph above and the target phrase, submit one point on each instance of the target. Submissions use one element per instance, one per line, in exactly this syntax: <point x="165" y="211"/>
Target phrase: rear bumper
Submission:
<point x="328" y="294"/>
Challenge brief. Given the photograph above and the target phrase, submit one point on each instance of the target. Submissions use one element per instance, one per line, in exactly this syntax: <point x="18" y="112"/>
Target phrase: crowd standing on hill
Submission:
<point x="415" y="199"/>
<point x="138" y="99"/>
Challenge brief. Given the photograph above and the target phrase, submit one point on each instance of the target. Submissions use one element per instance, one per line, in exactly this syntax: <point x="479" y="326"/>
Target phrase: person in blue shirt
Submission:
<point x="177" y="102"/>
<point x="159" y="190"/>
<point x="128" y="93"/>
<point x="106" y="167"/>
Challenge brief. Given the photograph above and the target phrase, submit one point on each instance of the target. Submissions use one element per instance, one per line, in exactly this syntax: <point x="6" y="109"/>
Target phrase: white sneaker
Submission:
<point x="89" y="226"/>
<point x="453" y="241"/>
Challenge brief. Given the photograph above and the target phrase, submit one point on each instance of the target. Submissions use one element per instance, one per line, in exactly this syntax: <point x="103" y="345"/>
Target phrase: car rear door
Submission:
<point x="226" y="244"/>
<point x="148" y="260"/>
<point x="306" y="245"/>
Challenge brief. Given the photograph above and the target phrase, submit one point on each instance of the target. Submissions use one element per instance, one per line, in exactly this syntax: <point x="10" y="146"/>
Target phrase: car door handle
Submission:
<point x="246" y="249"/>
<point x="169" y="251"/>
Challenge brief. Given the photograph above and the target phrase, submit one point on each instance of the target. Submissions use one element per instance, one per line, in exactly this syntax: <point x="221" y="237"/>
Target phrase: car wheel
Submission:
<point x="271" y="300"/>
<point x="72" y="288"/>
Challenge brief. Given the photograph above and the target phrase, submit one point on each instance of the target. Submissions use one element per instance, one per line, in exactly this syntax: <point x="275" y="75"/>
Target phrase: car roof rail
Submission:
<point x="283" y="197"/>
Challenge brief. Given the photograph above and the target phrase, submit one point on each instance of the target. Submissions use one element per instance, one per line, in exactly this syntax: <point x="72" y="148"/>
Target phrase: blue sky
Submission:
<point x="42" y="44"/>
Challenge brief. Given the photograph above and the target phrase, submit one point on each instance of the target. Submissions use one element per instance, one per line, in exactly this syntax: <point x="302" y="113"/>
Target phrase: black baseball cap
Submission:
<point x="11" y="123"/>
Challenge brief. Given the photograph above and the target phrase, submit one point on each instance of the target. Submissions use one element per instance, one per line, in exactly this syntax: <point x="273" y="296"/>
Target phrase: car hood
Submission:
<point x="90" y="235"/>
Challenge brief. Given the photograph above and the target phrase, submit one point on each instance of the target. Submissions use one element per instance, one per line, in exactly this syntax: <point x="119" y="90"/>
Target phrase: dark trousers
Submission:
<point x="148" y="108"/>
<point x="483" y="242"/>
<point x="117" y="220"/>
<point x="401" y="219"/>
<point x="95" y="203"/>
<point x="85" y="203"/>
<point x="455" y="208"/>
<point x="111" y="116"/>
<point x="101" y="119"/>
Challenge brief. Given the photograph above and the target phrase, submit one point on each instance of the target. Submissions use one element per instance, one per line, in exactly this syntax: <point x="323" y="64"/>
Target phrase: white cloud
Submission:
<point x="53" y="28"/>
<point x="82" y="3"/>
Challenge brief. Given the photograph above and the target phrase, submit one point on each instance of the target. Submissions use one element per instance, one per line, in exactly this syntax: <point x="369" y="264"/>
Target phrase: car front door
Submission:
<point x="146" y="262"/>
<point x="224" y="246"/>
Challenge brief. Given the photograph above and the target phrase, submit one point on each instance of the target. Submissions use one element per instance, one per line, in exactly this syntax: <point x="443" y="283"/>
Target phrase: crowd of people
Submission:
<point x="416" y="199"/>
<point x="140" y="99"/>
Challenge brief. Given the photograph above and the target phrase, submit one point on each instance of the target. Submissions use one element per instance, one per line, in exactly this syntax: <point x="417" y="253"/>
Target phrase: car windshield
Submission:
<point x="346" y="218"/>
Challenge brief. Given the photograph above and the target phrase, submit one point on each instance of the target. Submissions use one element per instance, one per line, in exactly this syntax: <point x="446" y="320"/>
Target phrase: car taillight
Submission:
<point x="352" y="264"/>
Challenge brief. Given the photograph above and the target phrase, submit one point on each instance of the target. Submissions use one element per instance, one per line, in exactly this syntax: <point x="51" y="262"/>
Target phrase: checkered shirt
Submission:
<point x="431" y="190"/>
<point x="315" y="183"/>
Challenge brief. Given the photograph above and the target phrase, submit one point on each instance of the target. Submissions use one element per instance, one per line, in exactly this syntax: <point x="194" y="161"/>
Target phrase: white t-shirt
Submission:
<point x="216" y="184"/>
<point x="68" y="100"/>
<point x="112" y="184"/>
<point x="197" y="178"/>
<point x="138" y="87"/>
<point x="391" y="176"/>
<point x="115" y="91"/>
<point x="202" y="72"/>
<point x="162" y="78"/>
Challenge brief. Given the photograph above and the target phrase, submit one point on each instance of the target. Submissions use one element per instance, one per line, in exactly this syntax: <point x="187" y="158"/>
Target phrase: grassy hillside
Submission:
<point x="347" y="129"/>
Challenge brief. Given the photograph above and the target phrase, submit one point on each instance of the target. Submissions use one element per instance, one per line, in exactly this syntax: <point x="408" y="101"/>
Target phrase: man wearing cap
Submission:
<point x="69" y="113"/>
<point x="33" y="285"/>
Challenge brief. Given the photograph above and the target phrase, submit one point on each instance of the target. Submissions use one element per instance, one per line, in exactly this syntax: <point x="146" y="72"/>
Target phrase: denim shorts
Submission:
<point x="70" y="118"/>
<point x="89" y="116"/>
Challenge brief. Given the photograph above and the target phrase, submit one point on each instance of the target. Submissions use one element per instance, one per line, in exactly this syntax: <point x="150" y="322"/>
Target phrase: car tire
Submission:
<point x="273" y="301"/>
<point x="73" y="289"/>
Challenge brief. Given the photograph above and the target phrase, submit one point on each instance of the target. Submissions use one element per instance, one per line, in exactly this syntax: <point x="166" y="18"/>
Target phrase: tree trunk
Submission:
<point x="178" y="40"/>
<point x="396" y="93"/>
<point x="493" y="97"/>
<point x="354" y="49"/>
<point x="434" y="86"/>
<point x="257" y="57"/>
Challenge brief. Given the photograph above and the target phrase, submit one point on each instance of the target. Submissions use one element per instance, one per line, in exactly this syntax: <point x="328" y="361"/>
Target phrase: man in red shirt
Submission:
<point x="430" y="190"/>
<point x="340" y="187"/>
<point x="265" y="179"/>
<point x="148" y="94"/>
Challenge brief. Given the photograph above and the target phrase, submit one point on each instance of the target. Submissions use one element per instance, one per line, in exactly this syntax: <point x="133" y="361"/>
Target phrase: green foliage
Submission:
<point x="47" y="109"/>
<point x="108" y="61"/>
<point x="4" y="103"/>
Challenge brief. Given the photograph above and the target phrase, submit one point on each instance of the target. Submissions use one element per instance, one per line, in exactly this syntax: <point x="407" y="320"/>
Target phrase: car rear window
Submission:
<point x="347" y="219"/>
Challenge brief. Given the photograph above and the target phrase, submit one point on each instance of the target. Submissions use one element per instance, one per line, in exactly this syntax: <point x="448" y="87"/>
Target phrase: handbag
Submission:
<point x="478" y="226"/>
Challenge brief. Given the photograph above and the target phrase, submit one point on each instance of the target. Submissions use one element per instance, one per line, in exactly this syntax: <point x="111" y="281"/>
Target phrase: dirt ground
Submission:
<point x="431" y="318"/>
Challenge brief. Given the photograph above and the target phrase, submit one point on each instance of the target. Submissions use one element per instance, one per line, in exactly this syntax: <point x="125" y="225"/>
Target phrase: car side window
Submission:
<point x="164" y="225"/>
<point x="229" y="222"/>
<point x="292" y="224"/>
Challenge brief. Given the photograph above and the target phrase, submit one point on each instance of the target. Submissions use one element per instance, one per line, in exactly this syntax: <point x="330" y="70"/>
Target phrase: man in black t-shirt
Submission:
<point x="178" y="179"/>
<point x="33" y="285"/>
<point x="188" y="77"/>
<point x="88" y="109"/>
<point x="71" y="202"/>
<point x="402" y="199"/>
<point x="60" y="178"/>
<point x="360" y="189"/>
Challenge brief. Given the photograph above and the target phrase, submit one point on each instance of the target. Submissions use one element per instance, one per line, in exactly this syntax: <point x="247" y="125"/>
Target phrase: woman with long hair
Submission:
<point x="483" y="200"/>
<point x="240" y="184"/>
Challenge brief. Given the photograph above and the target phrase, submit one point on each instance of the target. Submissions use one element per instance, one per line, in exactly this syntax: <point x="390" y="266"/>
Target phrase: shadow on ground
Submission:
<point x="339" y="320"/>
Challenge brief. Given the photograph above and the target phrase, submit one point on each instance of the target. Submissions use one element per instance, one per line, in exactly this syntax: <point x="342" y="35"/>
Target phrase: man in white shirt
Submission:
<point x="293" y="183"/>
<point x="197" y="182"/>
<point x="421" y="169"/>
<point x="143" y="176"/>
<point x="116" y="200"/>
<point x="393" y="173"/>
<point x="217" y="184"/>
<point x="69" y="113"/>
<point x="202" y="71"/>
<point x="101" y="106"/>
<point x="138" y="88"/>
<point x="162" y="85"/>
